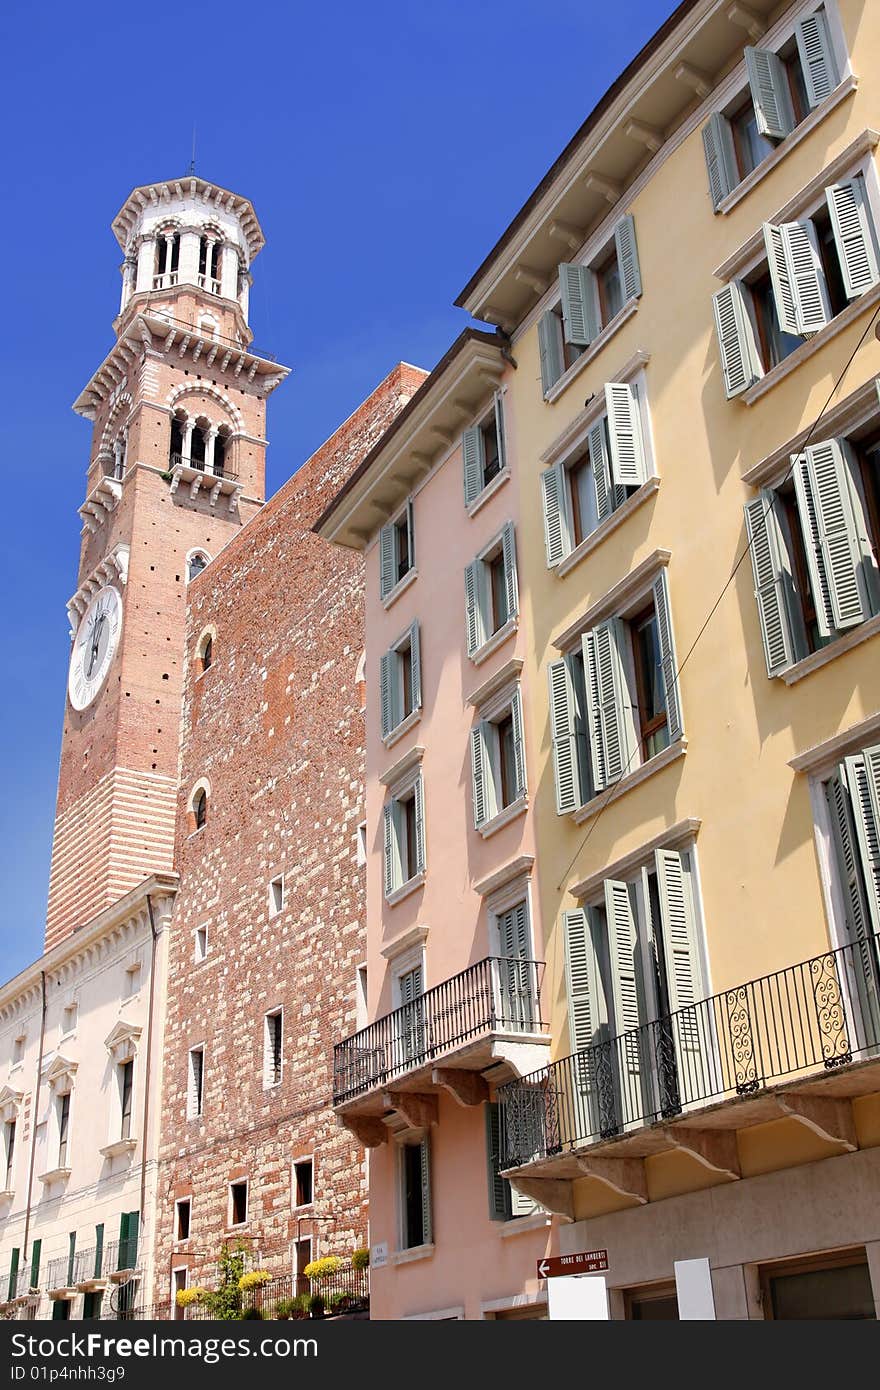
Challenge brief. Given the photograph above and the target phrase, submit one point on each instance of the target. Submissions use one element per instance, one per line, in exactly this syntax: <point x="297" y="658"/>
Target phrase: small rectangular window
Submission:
<point x="273" y="1048"/>
<point x="610" y="289"/>
<point x="276" y="895"/>
<point x="182" y="1214"/>
<point x="200" y="944"/>
<point x="415" y="1195"/>
<point x="362" y="844"/>
<point x="491" y="591"/>
<point x="9" y="1153"/>
<point x="126" y="1089"/>
<point x="360" y="995"/>
<point x="132" y="980"/>
<point x="68" y="1019"/>
<point x="18" y="1050"/>
<point x="63" y="1130"/>
<point x="402" y="553"/>
<point x="498" y="758"/>
<point x="238" y="1203"/>
<point x="195" y="1095"/>
<point x="303" y="1175"/>
<point x="650" y="690"/>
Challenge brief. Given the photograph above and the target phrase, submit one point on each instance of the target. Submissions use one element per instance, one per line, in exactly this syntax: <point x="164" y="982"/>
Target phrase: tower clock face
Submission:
<point x="94" y="647"/>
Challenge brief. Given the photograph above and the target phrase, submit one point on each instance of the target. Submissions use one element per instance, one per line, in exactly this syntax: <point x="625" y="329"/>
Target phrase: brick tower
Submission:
<point x="177" y="466"/>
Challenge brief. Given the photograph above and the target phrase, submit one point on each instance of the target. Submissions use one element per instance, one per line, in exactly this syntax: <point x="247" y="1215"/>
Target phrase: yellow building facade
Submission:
<point x="691" y="297"/>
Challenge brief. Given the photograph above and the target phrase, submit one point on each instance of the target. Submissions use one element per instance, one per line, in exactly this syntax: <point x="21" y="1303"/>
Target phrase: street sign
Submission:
<point x="379" y="1255"/>
<point x="585" y="1262"/>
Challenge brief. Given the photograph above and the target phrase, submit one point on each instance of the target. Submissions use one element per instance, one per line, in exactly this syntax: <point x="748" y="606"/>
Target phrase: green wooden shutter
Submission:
<point x="499" y="1190"/>
<point x="847" y="792"/>
<point x="863" y="781"/>
<point x="806" y="504"/>
<point x="608" y="493"/>
<point x="586" y="1006"/>
<point x="683" y="971"/>
<point x="668" y="662"/>
<point x="720" y="158"/>
<point x="99" y="1249"/>
<point x="500" y="432"/>
<point x="738" y="349"/>
<point x="628" y="257"/>
<point x="474" y="608"/>
<point x="625" y="991"/>
<point x="772" y="582"/>
<point x="550" y="350"/>
<point x="415" y="666"/>
<point x="799" y="288"/>
<point x="388" y="691"/>
<point x="71" y="1256"/>
<point x="419" y="798"/>
<point x="36" y="1251"/>
<point x="770" y="92"/>
<point x="556" y="531"/>
<point x="853" y="235"/>
<point x="411" y="533"/>
<point x="508" y="553"/>
<point x="628" y="468"/>
<point x="387" y="560"/>
<point x="580" y="319"/>
<point x="609" y="704"/>
<point x="13" y="1273"/>
<point x="817" y="59"/>
<point x="842" y="537"/>
<point x="519" y="745"/>
<point x="391" y="849"/>
<point x="564" y="738"/>
<point x="473" y="450"/>
<point x="427" y="1213"/>
<point x="479" y="771"/>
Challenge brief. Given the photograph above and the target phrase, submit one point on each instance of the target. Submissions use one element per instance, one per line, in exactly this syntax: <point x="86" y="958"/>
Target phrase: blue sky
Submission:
<point x="385" y="147"/>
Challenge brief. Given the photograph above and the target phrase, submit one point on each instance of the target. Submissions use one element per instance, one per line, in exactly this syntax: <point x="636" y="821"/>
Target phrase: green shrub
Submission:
<point x="360" y="1259"/>
<point x="316" y="1305"/>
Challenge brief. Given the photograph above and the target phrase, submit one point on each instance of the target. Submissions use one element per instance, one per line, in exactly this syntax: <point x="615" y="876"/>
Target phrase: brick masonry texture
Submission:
<point x="275" y="725"/>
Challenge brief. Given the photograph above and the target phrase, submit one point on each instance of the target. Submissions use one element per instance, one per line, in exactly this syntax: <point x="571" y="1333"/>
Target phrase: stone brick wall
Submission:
<point x="275" y="725"/>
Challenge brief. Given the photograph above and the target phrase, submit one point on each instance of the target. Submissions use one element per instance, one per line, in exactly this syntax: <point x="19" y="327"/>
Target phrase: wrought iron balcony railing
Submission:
<point x="233" y="344"/>
<point x="822" y="1013"/>
<point x="15" y="1284"/>
<point x="220" y="470"/>
<point x="121" y="1254"/>
<point x="60" y="1272"/>
<point x="497" y="995"/>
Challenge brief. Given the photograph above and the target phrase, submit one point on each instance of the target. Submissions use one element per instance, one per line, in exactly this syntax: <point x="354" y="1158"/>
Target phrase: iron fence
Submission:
<point x="220" y="470"/>
<point x="496" y="995"/>
<point x="823" y="1012"/>
<point x="345" y="1293"/>
<point x="230" y="344"/>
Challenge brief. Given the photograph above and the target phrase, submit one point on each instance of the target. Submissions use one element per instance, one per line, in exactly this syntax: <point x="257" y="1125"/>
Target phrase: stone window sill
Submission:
<point x="808" y="664"/>
<point x="816" y="116"/>
<point x="596" y="346"/>
<point x="495" y="641"/>
<point x="398" y="895"/>
<point x="55" y="1175"/>
<point x="605" y="528"/>
<point x="488" y="491"/>
<point x="656" y="764"/>
<point x="118" y="1147"/>
<point x="509" y="813"/>
<point x="812" y="345"/>
<point x="400" y="587"/>
<point x="405" y="1257"/>
<point x="402" y="728"/>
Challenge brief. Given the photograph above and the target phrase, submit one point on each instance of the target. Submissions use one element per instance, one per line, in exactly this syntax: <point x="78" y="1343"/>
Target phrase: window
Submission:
<point x="400" y="681"/>
<point x="200" y="944"/>
<point x="396" y="551"/>
<point x="836" y="1285"/>
<point x="404" y="836"/>
<point x="182" y="1215"/>
<point x="409" y="1015"/>
<point x="811" y="271"/>
<point x="491" y="592"/>
<point x="633" y="958"/>
<point x="196" y="563"/>
<point x="9" y="1131"/>
<point x="209" y="263"/>
<point x="196" y="1082"/>
<point x="68" y="1019"/>
<point x="783" y="88"/>
<point x="238" y="1203"/>
<point x="63" y="1104"/>
<point x="272" y="1047"/>
<point x="498" y="764"/>
<point x="205" y="653"/>
<point x="276" y="895"/>
<point x="504" y="1202"/>
<point x="652" y="1303"/>
<point x="18" y="1050"/>
<point x="167" y="259"/>
<point x="814" y="543"/>
<point x="584" y="489"/>
<point x="624" y="678"/>
<point x="303" y="1172"/>
<point x="125" y="1073"/>
<point x="179" y="1280"/>
<point x="415" y="1195"/>
<point x="199" y="811"/>
<point x="361" y="851"/>
<point x="852" y="795"/>
<point x="590" y="297"/>
<point x="517" y="1001"/>
<point x="132" y="981"/>
<point x="483" y="452"/>
<point x="360" y="997"/>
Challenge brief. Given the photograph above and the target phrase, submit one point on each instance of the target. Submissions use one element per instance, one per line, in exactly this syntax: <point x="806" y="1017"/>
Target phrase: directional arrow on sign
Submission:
<point x="584" y="1262"/>
<point x="543" y="1268"/>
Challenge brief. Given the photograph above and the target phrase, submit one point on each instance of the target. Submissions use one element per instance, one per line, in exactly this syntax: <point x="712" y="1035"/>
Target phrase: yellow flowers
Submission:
<point x="185" y="1297"/>
<point x="322" y="1269"/>
<point x="253" y="1279"/>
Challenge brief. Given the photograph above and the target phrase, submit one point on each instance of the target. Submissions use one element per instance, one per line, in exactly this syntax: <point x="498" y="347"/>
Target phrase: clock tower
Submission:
<point x="177" y="466"/>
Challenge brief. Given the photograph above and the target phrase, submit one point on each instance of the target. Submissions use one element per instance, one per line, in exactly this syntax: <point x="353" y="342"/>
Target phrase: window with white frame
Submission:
<point x="598" y="474"/>
<point x="404" y="833"/>
<point x="195" y="1082"/>
<point x="614" y="698"/>
<point x="238" y="1202"/>
<point x="303" y="1182"/>
<point x="498" y="759"/>
<point x="491" y="592"/>
<point x="361" y="850"/>
<point x="483" y="451"/>
<point x="810" y="271"/>
<point x="635" y="979"/>
<point x="195" y="563"/>
<point x="590" y="297"/>
<point x="814" y="540"/>
<point x="62" y="1104"/>
<point x="397" y="556"/>
<point x="273" y="1047"/>
<point x="783" y="86"/>
<point x="517" y="981"/>
<point x="18" y="1045"/>
<point x="132" y="982"/>
<point x="9" y="1137"/>
<point x="852" y="797"/>
<point x="414" y="1160"/>
<point x="276" y="895"/>
<point x="200" y="944"/>
<point x="400" y="681"/>
<point x="125" y="1084"/>
<point x="69" y="1018"/>
<point x="505" y="1203"/>
<point x="360" y="997"/>
<point x="409" y="1013"/>
<point x="182" y="1218"/>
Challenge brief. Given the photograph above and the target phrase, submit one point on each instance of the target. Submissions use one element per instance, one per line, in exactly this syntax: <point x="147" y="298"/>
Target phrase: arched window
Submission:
<point x="207" y="653"/>
<point x="209" y="263"/>
<point x="167" y="259"/>
<point x="204" y="658"/>
<point x="200" y="808"/>
<point x="175" y="450"/>
<point x="221" y="450"/>
<point x="196" y="561"/>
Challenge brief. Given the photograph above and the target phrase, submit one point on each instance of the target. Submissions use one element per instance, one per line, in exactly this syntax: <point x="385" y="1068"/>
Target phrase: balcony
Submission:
<point x="15" y="1287"/>
<point x="799" y="1044"/>
<point x="221" y="480"/>
<point x="445" y="1039"/>
<point x="92" y="1268"/>
<point x="207" y="282"/>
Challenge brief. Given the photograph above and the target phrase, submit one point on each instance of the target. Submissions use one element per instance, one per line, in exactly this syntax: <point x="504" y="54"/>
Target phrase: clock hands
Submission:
<point x="96" y="639"/>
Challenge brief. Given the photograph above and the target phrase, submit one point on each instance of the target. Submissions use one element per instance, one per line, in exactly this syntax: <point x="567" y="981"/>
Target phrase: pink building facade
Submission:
<point x="450" y="989"/>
